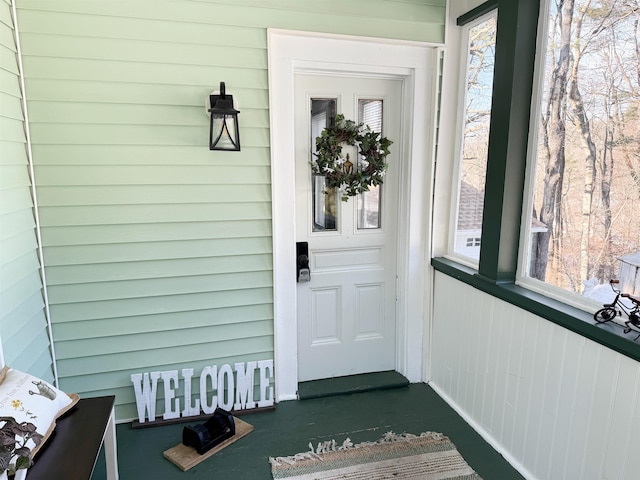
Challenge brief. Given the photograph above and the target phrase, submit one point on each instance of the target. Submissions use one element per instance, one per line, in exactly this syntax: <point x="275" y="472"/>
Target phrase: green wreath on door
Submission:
<point x="351" y="178"/>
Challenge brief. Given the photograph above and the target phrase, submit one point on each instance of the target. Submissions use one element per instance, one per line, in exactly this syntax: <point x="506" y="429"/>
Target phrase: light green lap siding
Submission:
<point x="158" y="251"/>
<point x="25" y="342"/>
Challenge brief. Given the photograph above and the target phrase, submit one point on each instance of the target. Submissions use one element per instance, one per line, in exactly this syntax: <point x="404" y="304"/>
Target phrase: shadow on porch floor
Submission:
<point x="289" y="429"/>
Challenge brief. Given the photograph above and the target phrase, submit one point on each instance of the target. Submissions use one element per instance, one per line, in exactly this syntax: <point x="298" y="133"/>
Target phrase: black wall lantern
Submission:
<point x="224" y="133"/>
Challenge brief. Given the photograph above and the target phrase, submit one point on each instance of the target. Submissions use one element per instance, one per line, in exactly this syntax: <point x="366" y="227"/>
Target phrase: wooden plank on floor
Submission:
<point x="187" y="457"/>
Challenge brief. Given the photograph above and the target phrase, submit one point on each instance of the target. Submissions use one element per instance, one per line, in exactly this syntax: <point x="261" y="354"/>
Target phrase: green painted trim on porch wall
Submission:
<point x="571" y="318"/>
<point x="477" y="12"/>
<point x="508" y="138"/>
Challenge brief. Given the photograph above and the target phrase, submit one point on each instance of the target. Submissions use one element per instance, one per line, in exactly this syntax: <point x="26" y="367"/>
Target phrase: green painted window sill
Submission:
<point x="572" y="318"/>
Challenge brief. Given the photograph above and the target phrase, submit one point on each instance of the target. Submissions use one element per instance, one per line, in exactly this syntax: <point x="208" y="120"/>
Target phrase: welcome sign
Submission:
<point x="225" y="387"/>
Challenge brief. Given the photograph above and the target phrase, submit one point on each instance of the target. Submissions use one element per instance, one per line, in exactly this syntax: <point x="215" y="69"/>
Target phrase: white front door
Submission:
<point x="414" y="65"/>
<point x="346" y="313"/>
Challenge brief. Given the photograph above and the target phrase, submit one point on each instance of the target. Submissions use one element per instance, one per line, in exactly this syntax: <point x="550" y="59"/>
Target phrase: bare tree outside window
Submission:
<point x="475" y="135"/>
<point x="587" y="185"/>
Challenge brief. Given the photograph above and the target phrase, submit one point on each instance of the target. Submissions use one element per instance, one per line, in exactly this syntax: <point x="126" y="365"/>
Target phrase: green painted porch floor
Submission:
<point x="293" y="425"/>
<point x="365" y="382"/>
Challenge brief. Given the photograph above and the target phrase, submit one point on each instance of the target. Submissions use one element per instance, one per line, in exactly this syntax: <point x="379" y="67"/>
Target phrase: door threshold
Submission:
<point x="365" y="382"/>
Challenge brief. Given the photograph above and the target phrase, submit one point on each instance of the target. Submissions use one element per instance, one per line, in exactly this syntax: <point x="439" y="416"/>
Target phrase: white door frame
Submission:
<point x="415" y="63"/>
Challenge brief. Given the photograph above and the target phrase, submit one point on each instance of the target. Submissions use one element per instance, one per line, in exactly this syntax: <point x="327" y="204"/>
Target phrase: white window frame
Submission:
<point x="570" y="298"/>
<point x="459" y="140"/>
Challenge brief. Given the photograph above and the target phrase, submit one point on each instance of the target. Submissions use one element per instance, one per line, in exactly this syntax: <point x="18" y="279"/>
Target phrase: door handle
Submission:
<point x="302" y="261"/>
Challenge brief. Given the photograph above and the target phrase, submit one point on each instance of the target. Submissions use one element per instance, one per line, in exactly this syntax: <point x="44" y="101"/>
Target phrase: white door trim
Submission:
<point x="413" y="62"/>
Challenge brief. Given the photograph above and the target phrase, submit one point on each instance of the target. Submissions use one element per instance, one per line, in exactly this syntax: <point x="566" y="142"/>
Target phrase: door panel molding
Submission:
<point x="363" y="258"/>
<point x="415" y="64"/>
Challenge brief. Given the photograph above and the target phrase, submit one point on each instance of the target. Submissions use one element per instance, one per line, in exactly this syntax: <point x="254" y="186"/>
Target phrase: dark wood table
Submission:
<point x="71" y="452"/>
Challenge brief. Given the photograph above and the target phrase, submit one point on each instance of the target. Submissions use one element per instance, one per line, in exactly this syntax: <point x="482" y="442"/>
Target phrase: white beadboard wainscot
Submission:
<point x="557" y="405"/>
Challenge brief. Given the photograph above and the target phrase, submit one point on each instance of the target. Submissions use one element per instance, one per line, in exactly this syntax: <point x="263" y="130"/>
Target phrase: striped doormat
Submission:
<point x="429" y="456"/>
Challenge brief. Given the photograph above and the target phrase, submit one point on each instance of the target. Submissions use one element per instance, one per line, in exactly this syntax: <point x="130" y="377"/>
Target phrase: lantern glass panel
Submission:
<point x="224" y="129"/>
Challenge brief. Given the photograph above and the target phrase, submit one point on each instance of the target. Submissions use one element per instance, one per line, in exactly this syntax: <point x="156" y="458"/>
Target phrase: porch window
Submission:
<point x="562" y="190"/>
<point x="479" y="40"/>
<point x="585" y="180"/>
